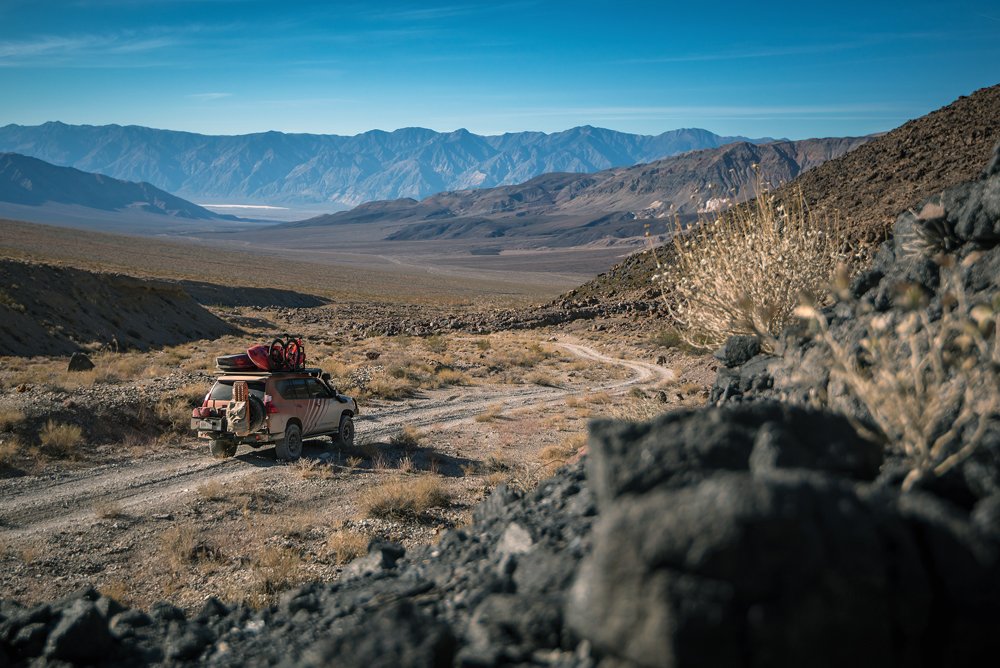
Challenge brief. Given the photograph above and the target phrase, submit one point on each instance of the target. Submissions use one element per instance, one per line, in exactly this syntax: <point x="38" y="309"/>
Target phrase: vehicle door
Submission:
<point x="325" y="408"/>
<point x="293" y="402"/>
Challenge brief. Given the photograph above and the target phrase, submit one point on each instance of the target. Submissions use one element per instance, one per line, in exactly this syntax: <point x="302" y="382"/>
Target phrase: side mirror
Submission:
<point x="326" y="376"/>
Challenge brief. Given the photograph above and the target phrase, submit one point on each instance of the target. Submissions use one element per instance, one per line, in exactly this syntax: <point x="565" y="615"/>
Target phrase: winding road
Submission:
<point x="33" y="505"/>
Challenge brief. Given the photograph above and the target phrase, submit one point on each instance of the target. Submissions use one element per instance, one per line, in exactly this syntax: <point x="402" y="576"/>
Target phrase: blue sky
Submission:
<point x="236" y="66"/>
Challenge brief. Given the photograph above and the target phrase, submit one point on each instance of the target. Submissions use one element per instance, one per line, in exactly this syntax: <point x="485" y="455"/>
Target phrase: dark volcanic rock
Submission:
<point x="80" y="362"/>
<point x="786" y="570"/>
<point x="738" y="350"/>
<point x="683" y="447"/>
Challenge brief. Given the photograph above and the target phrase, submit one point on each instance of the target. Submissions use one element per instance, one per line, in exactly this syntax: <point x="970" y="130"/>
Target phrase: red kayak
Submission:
<point x="260" y="356"/>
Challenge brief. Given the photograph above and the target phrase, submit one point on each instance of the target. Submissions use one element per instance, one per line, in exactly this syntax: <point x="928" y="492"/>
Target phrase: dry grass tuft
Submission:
<point x="492" y="413"/>
<point x="555" y="456"/>
<point x="346" y="545"/>
<point x="312" y="468"/>
<point x="11" y="448"/>
<point x="275" y="569"/>
<point x="409" y="438"/>
<point x="541" y="378"/>
<point x="746" y="271"/>
<point x="117" y="590"/>
<point x="177" y="545"/>
<point x="61" y="440"/>
<point x="10" y="418"/>
<point x="932" y="384"/>
<point x="404" y="499"/>
<point x="212" y="490"/>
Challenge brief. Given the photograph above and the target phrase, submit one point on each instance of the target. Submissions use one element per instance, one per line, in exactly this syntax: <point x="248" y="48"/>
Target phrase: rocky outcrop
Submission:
<point x="746" y="535"/>
<point x="957" y="230"/>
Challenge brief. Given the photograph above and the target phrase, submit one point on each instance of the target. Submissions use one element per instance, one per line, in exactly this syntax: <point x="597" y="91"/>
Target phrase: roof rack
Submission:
<point x="313" y="371"/>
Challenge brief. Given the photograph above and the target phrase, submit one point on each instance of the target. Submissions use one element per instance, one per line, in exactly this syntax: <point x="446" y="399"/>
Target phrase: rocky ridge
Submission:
<point x="866" y="187"/>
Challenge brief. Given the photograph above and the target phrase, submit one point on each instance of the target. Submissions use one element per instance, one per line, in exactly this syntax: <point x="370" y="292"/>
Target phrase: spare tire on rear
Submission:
<point x="257" y="413"/>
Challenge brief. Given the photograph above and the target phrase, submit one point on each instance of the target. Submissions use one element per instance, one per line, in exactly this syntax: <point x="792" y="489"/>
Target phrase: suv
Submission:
<point x="281" y="407"/>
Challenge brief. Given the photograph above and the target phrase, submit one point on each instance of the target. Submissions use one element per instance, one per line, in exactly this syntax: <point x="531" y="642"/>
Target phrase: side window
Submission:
<point x="316" y="389"/>
<point x="292" y="388"/>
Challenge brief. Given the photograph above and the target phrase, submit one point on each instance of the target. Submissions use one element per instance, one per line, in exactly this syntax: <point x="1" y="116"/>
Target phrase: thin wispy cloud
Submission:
<point x="207" y="97"/>
<point x="77" y="50"/>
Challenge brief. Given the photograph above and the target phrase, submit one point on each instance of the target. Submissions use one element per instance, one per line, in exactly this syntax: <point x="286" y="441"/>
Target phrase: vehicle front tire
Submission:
<point x="345" y="435"/>
<point x="289" y="448"/>
<point x="222" y="448"/>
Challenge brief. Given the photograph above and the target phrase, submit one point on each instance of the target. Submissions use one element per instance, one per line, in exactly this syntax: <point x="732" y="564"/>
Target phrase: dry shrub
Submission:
<point x="387" y="386"/>
<point x="10" y="418"/>
<point x="346" y="545"/>
<point x="746" y="271"/>
<point x="312" y="468"/>
<point x="177" y="545"/>
<point x="436" y="343"/>
<point x="117" y="590"/>
<point x="541" y="378"/>
<point x="10" y="450"/>
<point x="555" y="456"/>
<point x="275" y="569"/>
<point x="490" y="414"/>
<point x="404" y="498"/>
<point x="61" y="440"/>
<point x="451" y="377"/>
<point x="408" y="438"/>
<point x="931" y="385"/>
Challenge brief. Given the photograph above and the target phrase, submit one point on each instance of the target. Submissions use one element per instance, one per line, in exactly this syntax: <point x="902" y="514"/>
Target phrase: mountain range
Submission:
<point x="573" y="209"/>
<point x="339" y="171"/>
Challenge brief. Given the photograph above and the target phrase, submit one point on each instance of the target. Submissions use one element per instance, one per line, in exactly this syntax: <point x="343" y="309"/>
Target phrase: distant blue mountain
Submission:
<point x="274" y="167"/>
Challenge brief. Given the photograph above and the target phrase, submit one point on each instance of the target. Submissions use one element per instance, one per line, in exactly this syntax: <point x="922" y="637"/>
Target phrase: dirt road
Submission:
<point x="33" y="506"/>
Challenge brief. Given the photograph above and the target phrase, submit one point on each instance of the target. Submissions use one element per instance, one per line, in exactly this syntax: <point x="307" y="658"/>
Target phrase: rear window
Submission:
<point x="223" y="390"/>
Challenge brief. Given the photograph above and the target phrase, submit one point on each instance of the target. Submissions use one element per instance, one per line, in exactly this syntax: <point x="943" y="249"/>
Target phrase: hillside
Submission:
<point x="572" y="209"/>
<point x="31" y="182"/>
<point x="274" y="167"/>
<point x="866" y="187"/>
<point x="49" y="310"/>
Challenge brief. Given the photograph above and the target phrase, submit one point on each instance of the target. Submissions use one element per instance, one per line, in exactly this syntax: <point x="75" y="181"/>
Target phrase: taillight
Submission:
<point x="204" y="402"/>
<point x="269" y="406"/>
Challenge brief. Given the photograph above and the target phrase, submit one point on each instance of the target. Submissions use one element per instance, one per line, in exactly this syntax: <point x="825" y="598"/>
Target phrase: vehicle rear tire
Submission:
<point x="222" y="448"/>
<point x="289" y="448"/>
<point x="345" y="436"/>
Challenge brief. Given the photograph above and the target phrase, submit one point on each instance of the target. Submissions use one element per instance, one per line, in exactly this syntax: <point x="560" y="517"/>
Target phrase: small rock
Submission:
<point x="80" y="362"/>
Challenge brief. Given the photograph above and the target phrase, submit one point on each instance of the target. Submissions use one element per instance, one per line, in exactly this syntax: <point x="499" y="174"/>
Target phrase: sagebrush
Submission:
<point x="747" y="270"/>
<point x="929" y="377"/>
